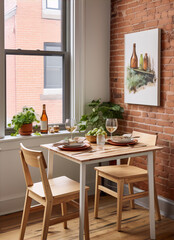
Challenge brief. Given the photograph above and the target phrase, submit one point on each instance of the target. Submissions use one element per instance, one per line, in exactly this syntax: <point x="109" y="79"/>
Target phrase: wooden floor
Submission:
<point x="135" y="225"/>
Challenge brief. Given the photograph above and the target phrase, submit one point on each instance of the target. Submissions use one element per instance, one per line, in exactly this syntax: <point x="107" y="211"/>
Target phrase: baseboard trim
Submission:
<point x="166" y="205"/>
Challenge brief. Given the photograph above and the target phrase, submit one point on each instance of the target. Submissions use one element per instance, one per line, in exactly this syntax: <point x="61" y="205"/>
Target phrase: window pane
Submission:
<point x="28" y="24"/>
<point x="53" y="4"/>
<point x="53" y="67"/>
<point x="25" y="87"/>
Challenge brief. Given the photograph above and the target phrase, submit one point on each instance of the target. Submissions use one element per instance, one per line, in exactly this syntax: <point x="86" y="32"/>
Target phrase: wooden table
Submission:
<point x="109" y="153"/>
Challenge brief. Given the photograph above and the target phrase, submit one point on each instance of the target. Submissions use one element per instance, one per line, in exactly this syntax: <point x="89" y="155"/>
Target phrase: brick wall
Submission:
<point x="128" y="16"/>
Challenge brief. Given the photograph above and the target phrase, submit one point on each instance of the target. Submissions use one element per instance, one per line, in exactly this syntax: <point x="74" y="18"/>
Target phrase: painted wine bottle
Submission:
<point x="145" y="64"/>
<point x="141" y="62"/>
<point x="134" y="59"/>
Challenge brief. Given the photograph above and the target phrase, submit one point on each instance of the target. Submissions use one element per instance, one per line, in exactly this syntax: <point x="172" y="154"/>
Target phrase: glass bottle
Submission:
<point x="141" y="62"/>
<point x="134" y="59"/>
<point x="44" y="121"/>
<point x="145" y="64"/>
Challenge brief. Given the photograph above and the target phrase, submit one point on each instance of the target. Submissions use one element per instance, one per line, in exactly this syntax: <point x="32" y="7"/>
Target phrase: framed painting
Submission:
<point x="142" y="67"/>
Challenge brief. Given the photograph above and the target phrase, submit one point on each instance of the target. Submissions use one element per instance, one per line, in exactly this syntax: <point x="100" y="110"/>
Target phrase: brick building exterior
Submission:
<point x="26" y="28"/>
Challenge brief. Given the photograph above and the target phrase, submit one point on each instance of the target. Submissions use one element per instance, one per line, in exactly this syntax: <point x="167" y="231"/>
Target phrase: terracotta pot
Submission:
<point x="26" y="129"/>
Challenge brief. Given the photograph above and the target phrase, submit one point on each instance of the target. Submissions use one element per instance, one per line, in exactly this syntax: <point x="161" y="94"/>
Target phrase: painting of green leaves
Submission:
<point x="142" y="68"/>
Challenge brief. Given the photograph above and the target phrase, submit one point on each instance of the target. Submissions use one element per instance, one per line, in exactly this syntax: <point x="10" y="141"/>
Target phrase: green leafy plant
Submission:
<point x="27" y="115"/>
<point x="100" y="112"/>
<point x="96" y="131"/>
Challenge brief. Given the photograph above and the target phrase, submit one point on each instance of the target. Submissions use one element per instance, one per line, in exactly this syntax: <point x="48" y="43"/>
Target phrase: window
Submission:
<point x="51" y="9"/>
<point x="37" y="60"/>
<point x="53" y="4"/>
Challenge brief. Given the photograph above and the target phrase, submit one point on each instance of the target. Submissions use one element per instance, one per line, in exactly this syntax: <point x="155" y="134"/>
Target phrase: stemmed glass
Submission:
<point x="111" y="125"/>
<point x="71" y="125"/>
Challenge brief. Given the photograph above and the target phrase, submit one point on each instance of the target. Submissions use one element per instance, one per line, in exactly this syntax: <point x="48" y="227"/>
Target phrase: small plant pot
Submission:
<point x="26" y="129"/>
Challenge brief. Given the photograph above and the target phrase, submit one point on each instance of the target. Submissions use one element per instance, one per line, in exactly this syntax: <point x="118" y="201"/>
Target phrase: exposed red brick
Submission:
<point x="139" y="16"/>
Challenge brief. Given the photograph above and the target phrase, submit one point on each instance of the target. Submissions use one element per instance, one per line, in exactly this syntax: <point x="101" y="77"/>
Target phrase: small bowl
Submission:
<point x="92" y="139"/>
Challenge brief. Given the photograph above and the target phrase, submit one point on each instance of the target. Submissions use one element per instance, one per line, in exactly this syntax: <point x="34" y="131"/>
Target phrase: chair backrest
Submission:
<point x="149" y="139"/>
<point x="35" y="159"/>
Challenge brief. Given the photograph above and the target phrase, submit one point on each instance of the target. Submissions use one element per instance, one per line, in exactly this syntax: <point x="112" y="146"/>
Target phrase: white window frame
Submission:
<point x="2" y="72"/>
<point x="77" y="60"/>
<point x="65" y="53"/>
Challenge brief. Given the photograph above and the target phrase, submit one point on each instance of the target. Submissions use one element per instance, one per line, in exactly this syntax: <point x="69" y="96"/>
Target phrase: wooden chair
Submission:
<point x="50" y="192"/>
<point x="124" y="174"/>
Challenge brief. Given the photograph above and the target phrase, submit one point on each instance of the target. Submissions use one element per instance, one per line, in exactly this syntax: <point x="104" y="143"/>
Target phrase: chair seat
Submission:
<point x="122" y="171"/>
<point x="60" y="187"/>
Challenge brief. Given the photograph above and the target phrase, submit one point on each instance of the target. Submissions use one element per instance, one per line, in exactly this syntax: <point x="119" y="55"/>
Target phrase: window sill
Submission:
<point x="63" y="133"/>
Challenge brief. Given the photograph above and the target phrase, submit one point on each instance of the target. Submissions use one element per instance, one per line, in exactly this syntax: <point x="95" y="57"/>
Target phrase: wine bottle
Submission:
<point x="44" y="121"/>
<point x="141" y="62"/>
<point x="145" y="64"/>
<point x="134" y="59"/>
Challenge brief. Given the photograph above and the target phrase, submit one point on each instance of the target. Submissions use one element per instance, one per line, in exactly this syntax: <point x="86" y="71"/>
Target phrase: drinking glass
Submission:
<point x="71" y="125"/>
<point x="100" y="141"/>
<point x="111" y="125"/>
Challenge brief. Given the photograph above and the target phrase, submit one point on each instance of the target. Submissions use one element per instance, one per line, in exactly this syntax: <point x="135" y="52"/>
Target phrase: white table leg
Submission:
<point x="82" y="198"/>
<point x="118" y="161"/>
<point x="50" y="164"/>
<point x="150" y="163"/>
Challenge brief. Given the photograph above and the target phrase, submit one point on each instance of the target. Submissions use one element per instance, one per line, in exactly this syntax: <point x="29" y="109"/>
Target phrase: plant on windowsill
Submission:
<point x="22" y="122"/>
<point x="100" y="112"/>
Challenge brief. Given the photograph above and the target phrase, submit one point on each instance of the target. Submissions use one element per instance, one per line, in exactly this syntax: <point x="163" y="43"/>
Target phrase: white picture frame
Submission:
<point x="141" y="83"/>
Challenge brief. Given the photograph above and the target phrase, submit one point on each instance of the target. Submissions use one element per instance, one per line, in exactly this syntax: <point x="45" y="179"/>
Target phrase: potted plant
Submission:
<point x="22" y="121"/>
<point x="91" y="135"/>
<point x="100" y="112"/>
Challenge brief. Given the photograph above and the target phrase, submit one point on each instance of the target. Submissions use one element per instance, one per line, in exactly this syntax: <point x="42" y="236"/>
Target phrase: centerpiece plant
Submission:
<point x="22" y="122"/>
<point x="100" y="111"/>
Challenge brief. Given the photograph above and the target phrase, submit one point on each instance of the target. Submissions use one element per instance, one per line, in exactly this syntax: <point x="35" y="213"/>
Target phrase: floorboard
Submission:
<point x="135" y="225"/>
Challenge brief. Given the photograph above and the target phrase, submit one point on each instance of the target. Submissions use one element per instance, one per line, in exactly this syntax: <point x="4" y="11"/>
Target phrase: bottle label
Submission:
<point x="44" y="125"/>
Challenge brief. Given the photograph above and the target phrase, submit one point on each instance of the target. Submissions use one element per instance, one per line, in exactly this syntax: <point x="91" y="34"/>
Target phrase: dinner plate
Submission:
<point x="74" y="145"/>
<point x="122" y="139"/>
<point x="65" y="148"/>
<point x="119" y="143"/>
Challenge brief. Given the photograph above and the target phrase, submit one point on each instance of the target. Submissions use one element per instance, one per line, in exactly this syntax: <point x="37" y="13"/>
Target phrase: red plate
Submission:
<point x="62" y="147"/>
<point x="122" y="144"/>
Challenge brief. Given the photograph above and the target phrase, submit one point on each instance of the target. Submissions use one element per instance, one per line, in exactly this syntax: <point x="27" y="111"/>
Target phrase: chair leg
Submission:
<point x="46" y="219"/>
<point x="64" y="212"/>
<point x="120" y="187"/>
<point x="97" y="194"/>
<point x="25" y="215"/>
<point x="131" y="191"/>
<point x="86" y="217"/>
<point x="158" y="215"/>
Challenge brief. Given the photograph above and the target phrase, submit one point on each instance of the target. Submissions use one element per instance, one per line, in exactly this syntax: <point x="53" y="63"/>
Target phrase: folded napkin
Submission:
<point x="67" y="141"/>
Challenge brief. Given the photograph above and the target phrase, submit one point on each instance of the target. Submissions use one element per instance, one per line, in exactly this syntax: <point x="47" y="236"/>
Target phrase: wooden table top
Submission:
<point x="108" y="151"/>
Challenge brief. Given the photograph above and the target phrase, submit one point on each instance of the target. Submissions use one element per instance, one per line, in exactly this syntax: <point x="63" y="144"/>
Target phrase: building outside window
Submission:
<point x="35" y="59"/>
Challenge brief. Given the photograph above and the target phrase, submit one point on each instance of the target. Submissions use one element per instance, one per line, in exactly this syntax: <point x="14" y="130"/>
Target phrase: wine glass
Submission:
<point x="111" y="125"/>
<point x="71" y="125"/>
